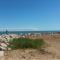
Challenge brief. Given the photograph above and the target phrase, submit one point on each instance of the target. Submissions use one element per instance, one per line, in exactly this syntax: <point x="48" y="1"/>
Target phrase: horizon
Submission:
<point x="30" y="15"/>
<point x="4" y="29"/>
<point x="25" y="29"/>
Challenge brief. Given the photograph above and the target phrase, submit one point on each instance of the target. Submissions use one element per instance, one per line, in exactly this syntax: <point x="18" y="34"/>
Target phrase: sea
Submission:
<point x="26" y="32"/>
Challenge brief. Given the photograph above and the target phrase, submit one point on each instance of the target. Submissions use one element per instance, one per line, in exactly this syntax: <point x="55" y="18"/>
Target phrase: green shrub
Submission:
<point x="17" y="43"/>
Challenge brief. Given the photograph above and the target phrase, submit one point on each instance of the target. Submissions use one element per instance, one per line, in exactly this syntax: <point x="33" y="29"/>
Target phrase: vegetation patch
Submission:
<point x="23" y="43"/>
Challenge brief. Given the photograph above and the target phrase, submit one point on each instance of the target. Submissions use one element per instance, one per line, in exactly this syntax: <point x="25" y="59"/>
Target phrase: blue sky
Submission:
<point x="30" y="14"/>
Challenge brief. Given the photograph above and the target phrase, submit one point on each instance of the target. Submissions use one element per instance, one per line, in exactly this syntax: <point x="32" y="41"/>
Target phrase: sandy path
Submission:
<point x="54" y="48"/>
<point x="2" y="57"/>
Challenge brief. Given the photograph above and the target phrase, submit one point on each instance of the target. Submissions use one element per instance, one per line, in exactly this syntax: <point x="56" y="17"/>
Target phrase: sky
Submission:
<point x="30" y="14"/>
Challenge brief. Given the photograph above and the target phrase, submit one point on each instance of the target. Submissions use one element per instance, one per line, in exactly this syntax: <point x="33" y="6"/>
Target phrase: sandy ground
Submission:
<point x="51" y="52"/>
<point x="2" y="57"/>
<point x="30" y="55"/>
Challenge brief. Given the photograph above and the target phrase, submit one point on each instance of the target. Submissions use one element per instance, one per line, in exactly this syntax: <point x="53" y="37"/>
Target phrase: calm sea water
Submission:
<point x="26" y="32"/>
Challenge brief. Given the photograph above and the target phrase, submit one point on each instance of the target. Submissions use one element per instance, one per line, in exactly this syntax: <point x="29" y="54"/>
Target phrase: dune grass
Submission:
<point x="23" y="43"/>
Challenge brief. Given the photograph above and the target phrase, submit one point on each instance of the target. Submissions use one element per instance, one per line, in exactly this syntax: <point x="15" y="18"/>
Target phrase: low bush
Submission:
<point x="23" y="43"/>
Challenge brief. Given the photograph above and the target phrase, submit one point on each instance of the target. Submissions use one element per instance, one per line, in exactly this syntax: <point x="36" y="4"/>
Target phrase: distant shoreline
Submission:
<point x="26" y="32"/>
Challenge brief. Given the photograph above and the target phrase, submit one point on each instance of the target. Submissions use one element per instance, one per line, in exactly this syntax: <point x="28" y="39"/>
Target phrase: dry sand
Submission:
<point x="51" y="52"/>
